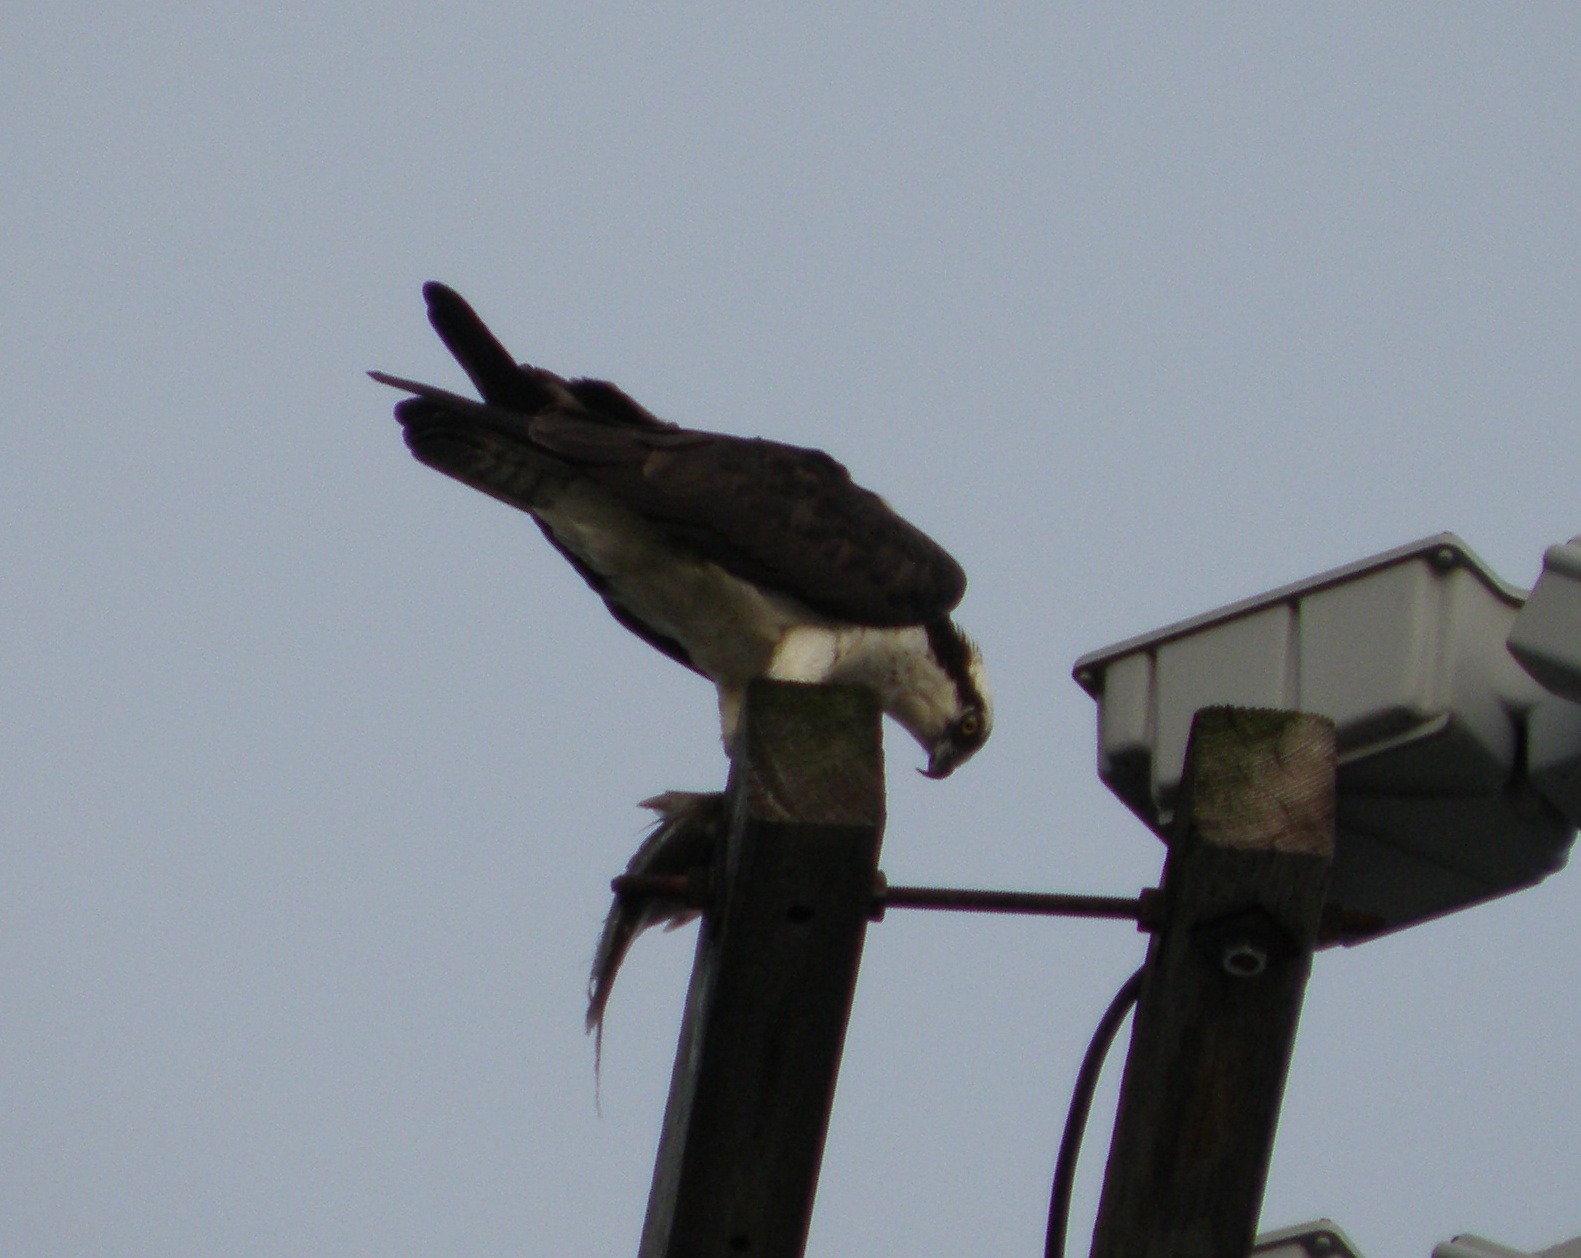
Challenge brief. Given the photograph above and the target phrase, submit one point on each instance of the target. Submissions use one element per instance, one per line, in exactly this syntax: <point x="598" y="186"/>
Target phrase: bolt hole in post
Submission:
<point x="1244" y="960"/>
<point x="798" y="913"/>
<point x="740" y="1244"/>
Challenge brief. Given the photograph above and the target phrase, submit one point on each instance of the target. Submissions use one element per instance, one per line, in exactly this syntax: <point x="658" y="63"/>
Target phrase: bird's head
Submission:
<point x="968" y="716"/>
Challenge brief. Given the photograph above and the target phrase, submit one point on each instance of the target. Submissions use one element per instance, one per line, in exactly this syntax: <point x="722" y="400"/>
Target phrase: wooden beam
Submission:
<point x="1221" y="995"/>
<point x="771" y="988"/>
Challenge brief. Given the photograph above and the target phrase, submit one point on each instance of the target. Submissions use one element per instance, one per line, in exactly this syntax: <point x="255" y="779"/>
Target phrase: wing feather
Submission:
<point x="778" y="515"/>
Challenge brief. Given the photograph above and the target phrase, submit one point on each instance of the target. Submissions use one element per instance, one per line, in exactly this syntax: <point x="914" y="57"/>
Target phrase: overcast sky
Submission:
<point x="316" y="763"/>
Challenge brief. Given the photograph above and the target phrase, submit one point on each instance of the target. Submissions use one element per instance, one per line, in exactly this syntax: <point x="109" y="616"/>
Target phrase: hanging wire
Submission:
<point x="1076" y="1117"/>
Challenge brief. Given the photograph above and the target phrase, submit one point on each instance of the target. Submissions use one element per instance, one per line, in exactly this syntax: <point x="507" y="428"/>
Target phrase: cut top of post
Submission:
<point x="1260" y="779"/>
<point x="811" y="754"/>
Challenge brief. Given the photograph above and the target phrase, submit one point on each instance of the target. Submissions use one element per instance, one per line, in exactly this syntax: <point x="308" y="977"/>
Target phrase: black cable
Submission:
<point x="1076" y="1118"/>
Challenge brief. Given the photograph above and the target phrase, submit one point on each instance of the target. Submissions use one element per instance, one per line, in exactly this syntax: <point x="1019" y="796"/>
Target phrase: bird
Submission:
<point x="737" y="557"/>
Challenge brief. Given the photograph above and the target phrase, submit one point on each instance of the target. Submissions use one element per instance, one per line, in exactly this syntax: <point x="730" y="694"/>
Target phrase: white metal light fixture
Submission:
<point x="1323" y="1240"/>
<point x="1459" y="776"/>
<point x="1310" y="1240"/>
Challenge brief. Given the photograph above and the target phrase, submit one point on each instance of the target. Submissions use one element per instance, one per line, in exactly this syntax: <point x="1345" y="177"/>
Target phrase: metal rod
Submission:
<point x="1052" y="904"/>
<point x="694" y="890"/>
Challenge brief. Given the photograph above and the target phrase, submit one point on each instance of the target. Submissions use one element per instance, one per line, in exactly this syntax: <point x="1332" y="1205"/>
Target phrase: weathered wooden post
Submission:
<point x="771" y="988"/>
<point x="1243" y="892"/>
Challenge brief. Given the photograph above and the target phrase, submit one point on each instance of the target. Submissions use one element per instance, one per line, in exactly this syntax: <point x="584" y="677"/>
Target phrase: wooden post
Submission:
<point x="1243" y="890"/>
<point x="771" y="987"/>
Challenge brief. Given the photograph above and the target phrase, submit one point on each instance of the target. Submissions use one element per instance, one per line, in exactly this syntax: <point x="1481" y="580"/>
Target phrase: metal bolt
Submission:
<point x="1322" y="1243"/>
<point x="1244" y="959"/>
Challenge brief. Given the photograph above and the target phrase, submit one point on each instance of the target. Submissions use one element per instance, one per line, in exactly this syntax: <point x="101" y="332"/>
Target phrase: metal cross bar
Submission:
<point x="1140" y="909"/>
<point x="694" y="889"/>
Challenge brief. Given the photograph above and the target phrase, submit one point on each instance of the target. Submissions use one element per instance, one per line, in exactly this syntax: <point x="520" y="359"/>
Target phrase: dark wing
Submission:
<point x="487" y="447"/>
<point x="780" y="516"/>
<point x="492" y="450"/>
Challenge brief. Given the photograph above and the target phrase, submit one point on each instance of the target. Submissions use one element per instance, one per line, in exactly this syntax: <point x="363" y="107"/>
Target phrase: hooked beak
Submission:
<point x="941" y="762"/>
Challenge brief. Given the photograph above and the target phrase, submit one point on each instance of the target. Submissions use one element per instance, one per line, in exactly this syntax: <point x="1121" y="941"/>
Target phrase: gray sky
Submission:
<point x="317" y="764"/>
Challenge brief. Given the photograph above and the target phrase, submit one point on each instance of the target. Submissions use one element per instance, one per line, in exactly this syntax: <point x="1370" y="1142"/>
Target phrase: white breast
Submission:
<point x="896" y="664"/>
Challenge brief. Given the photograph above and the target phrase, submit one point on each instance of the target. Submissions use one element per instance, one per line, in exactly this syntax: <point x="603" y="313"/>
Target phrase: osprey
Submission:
<point x="738" y="557"/>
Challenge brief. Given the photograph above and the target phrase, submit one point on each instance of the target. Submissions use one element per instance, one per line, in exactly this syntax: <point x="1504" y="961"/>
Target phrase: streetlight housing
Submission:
<point x="1459" y="775"/>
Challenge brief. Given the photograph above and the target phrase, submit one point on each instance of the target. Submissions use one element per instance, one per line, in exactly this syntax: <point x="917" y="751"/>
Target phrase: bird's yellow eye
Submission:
<point x="970" y="724"/>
